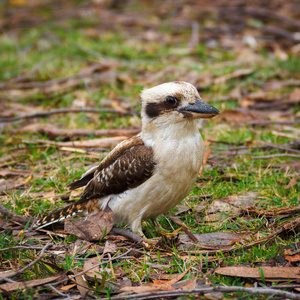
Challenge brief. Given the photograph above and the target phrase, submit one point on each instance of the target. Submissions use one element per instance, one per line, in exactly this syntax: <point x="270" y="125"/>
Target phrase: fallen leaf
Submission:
<point x="235" y="74"/>
<point x="187" y="284"/>
<point x="222" y="206"/>
<point x="80" y="247"/>
<point x="146" y="289"/>
<point x="89" y="264"/>
<point x="81" y="284"/>
<point x="182" y="208"/>
<point x="10" y="172"/>
<point x="291" y="258"/>
<point x="91" y="228"/>
<point x="242" y="115"/>
<point x="219" y="239"/>
<point x="292" y="183"/>
<point x="6" y="273"/>
<point x="52" y="131"/>
<point x="206" y="155"/>
<point x="93" y="143"/>
<point x="243" y="200"/>
<point x="50" y="196"/>
<point x="295" y="95"/>
<point x="269" y="273"/>
<point x="13" y="286"/>
<point x="110" y="248"/>
<point x="67" y="287"/>
<point x="6" y="185"/>
<point x="158" y="286"/>
<point x="215" y="218"/>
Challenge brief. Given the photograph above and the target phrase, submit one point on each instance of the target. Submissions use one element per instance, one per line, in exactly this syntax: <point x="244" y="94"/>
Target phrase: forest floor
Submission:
<point x="70" y="77"/>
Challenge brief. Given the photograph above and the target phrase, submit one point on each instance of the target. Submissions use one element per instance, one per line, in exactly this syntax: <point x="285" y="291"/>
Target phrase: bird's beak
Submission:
<point x="199" y="109"/>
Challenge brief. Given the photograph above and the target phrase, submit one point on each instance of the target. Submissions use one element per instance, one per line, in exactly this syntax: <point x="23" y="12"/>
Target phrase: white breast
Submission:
<point x="178" y="153"/>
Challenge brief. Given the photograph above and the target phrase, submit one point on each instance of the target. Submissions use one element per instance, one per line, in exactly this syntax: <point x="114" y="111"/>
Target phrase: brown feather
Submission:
<point x="131" y="168"/>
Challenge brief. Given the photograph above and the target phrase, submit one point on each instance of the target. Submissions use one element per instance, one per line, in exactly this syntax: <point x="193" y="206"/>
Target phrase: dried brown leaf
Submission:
<point x="110" y="248"/>
<point x="91" y="228"/>
<point x="10" y="172"/>
<point x="207" y="153"/>
<point x="93" y="143"/>
<point x="242" y="115"/>
<point x="6" y="273"/>
<point x="295" y="95"/>
<point x="291" y="258"/>
<point x="235" y="74"/>
<point x="52" y="131"/>
<point x="81" y="284"/>
<point x="89" y="264"/>
<point x="13" y="286"/>
<point x="292" y="183"/>
<point x="212" y="240"/>
<point x="269" y="273"/>
<point x="157" y="285"/>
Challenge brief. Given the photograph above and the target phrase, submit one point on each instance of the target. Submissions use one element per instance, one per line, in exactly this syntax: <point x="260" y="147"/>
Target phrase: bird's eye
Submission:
<point x="171" y="101"/>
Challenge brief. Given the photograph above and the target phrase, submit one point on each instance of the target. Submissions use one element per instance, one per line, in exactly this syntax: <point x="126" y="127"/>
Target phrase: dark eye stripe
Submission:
<point x="155" y="109"/>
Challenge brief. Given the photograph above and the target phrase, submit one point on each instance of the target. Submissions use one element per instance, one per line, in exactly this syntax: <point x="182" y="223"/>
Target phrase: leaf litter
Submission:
<point x="89" y="256"/>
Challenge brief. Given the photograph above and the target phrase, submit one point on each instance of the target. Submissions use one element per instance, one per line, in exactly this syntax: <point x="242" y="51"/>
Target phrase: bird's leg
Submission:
<point x="136" y="226"/>
<point x="158" y="226"/>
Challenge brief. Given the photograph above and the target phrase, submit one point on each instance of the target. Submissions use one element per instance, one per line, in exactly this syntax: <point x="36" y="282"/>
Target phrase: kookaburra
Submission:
<point x="147" y="174"/>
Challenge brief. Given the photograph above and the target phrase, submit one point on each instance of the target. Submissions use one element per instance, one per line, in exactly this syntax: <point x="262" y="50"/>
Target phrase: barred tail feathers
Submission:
<point x="64" y="213"/>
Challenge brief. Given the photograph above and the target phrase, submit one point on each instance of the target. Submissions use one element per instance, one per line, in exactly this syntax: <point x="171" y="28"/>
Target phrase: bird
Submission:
<point x="150" y="173"/>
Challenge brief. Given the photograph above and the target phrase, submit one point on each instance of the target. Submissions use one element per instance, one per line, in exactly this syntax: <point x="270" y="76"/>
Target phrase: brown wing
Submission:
<point x="129" y="169"/>
<point x="126" y="166"/>
<point x="107" y="161"/>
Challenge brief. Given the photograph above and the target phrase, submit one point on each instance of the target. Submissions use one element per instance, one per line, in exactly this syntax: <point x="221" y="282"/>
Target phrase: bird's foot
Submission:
<point x="159" y="228"/>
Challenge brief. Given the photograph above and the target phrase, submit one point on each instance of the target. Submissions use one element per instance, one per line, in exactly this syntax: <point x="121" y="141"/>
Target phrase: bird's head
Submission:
<point x="174" y="102"/>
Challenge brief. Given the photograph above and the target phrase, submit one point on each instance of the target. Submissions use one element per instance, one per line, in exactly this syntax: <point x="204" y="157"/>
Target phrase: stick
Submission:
<point x="128" y="234"/>
<point x="291" y="225"/>
<point x="201" y="291"/>
<point x="14" y="216"/>
<point x="279" y="32"/>
<point x="262" y="13"/>
<point x="58" y="292"/>
<point x="267" y="122"/>
<point x="95" y="266"/>
<point x="39" y="248"/>
<point x="265" y="146"/>
<point x="276" y="155"/>
<point x="43" y="114"/>
<point x="29" y="265"/>
<point x="54" y="132"/>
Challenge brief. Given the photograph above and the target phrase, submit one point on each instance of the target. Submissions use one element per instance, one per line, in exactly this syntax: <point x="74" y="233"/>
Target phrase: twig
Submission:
<point x="267" y="122"/>
<point x="265" y="146"/>
<point x="95" y="266"/>
<point x="128" y="234"/>
<point x="43" y="114"/>
<point x="195" y="35"/>
<point x="201" y="291"/>
<point x="280" y="32"/>
<point x="276" y="155"/>
<point x="39" y="248"/>
<point x="54" y="132"/>
<point x="57" y="291"/>
<point x="29" y="265"/>
<point x="291" y="225"/>
<point x="262" y="14"/>
<point x="14" y="216"/>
